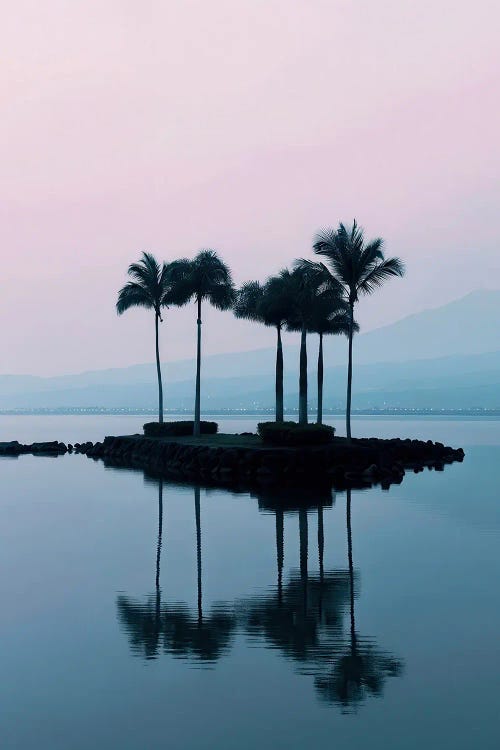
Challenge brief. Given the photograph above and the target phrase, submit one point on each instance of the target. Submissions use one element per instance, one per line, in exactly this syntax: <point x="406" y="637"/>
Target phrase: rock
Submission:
<point x="12" y="448"/>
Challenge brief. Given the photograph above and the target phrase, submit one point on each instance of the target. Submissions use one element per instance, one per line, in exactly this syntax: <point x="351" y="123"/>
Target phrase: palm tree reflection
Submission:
<point x="362" y="669"/>
<point x="153" y="626"/>
<point x="302" y="616"/>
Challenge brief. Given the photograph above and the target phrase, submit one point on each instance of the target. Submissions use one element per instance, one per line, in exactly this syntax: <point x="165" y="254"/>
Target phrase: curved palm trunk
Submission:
<point x="279" y="377"/>
<point x="198" y="550"/>
<point x="303" y="377"/>
<point x="197" y="400"/>
<point x="320" y="380"/>
<point x="351" y="571"/>
<point x="158" y="371"/>
<point x="349" y="376"/>
<point x="280" y="551"/>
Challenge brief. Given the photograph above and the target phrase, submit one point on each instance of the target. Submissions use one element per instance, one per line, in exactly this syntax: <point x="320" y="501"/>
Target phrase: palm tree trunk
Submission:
<point x="279" y="377"/>
<point x="351" y="571"/>
<point x="158" y="555"/>
<point x="349" y="376"/>
<point x="321" y="550"/>
<point x="198" y="549"/>
<point x="279" y="551"/>
<point x="303" y="377"/>
<point x="160" y="532"/>
<point x="197" y="401"/>
<point x="303" y="536"/>
<point x="320" y="380"/>
<point x="321" y="542"/>
<point x="158" y="372"/>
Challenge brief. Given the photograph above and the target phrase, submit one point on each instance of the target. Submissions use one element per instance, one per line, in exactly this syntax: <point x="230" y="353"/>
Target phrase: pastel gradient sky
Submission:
<point x="242" y="125"/>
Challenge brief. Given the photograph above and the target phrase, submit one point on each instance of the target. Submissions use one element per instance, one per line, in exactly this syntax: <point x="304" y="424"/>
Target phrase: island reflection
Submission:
<point x="310" y="619"/>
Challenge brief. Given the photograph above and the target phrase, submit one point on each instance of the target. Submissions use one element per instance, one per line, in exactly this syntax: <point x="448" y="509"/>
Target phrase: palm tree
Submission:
<point x="310" y="292"/>
<point x="149" y="288"/>
<point x="329" y="315"/>
<point x="361" y="268"/>
<point x="270" y="304"/>
<point x="337" y="325"/>
<point x="206" y="277"/>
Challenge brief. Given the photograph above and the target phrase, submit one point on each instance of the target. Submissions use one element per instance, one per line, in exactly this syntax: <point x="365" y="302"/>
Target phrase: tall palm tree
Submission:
<point x="149" y="288"/>
<point x="337" y="325"/>
<point x="311" y="291"/>
<point x="206" y="277"/>
<point x="329" y="315"/>
<point x="361" y="268"/>
<point x="270" y="304"/>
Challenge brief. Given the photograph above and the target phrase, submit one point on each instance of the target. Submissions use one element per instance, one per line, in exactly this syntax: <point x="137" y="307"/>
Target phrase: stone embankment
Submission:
<point x="53" y="448"/>
<point x="361" y="463"/>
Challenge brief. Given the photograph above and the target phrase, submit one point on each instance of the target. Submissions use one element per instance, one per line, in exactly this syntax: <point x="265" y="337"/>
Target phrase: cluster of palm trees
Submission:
<point x="313" y="297"/>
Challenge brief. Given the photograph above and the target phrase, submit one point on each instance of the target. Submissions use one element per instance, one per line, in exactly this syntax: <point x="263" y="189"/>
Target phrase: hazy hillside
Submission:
<point x="449" y="356"/>
<point x="470" y="325"/>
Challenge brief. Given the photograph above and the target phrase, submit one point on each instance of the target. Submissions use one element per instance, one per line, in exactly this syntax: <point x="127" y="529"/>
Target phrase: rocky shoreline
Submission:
<point x="364" y="462"/>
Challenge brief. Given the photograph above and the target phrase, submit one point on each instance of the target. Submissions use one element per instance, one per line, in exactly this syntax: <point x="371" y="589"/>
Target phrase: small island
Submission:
<point x="246" y="461"/>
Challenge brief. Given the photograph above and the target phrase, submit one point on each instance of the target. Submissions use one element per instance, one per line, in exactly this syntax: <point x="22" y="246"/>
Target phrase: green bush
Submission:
<point x="291" y="433"/>
<point x="178" y="429"/>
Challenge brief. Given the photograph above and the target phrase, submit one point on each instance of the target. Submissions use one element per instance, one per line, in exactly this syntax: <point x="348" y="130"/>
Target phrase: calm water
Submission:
<point x="143" y="614"/>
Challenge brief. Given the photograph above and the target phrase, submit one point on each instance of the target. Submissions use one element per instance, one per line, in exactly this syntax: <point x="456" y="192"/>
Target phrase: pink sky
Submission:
<point x="243" y="125"/>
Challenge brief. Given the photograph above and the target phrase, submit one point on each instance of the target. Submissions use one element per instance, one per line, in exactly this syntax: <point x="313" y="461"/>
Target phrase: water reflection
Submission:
<point x="308" y="618"/>
<point x="154" y="627"/>
<point x="362" y="668"/>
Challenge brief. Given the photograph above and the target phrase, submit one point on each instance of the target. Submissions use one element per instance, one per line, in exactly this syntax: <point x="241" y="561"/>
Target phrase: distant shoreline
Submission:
<point x="395" y="412"/>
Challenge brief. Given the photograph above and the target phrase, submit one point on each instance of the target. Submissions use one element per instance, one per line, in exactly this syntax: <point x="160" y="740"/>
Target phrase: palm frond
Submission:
<point x="248" y="301"/>
<point x="221" y="296"/>
<point x="148" y="287"/>
<point x="211" y="279"/>
<point x="204" y="277"/>
<point x="133" y="295"/>
<point x="358" y="265"/>
<point x="278" y="299"/>
<point x="371" y="253"/>
<point x="146" y="271"/>
<point x="180" y="288"/>
<point x="333" y="245"/>
<point x="379" y="273"/>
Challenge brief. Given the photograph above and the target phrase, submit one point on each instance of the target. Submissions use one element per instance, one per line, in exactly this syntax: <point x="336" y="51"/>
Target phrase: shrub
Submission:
<point x="178" y="429"/>
<point x="291" y="433"/>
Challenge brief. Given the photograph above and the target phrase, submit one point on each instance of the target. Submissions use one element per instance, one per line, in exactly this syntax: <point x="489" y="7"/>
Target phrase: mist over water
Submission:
<point x="137" y="612"/>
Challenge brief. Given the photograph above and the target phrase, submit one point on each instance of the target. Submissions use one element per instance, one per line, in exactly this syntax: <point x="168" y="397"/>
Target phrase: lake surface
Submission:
<point x="138" y="613"/>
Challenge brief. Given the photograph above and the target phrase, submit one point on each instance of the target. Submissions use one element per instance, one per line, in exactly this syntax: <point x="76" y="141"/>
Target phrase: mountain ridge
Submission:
<point x="419" y="348"/>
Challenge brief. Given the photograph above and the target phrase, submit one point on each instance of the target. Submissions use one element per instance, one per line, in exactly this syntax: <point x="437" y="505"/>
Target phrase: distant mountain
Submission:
<point x="470" y="325"/>
<point x="448" y="356"/>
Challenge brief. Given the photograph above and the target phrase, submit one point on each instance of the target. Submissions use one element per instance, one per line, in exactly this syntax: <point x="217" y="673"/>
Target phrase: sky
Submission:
<point x="243" y="126"/>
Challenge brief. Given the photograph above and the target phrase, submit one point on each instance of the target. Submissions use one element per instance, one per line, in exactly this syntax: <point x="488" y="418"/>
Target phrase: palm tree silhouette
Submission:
<point x="361" y="268"/>
<point x="160" y="533"/>
<point x="150" y="288"/>
<point x="326" y="321"/>
<point x="206" y="277"/>
<point x="303" y="619"/>
<point x="152" y="625"/>
<point x="270" y="304"/>
<point x="311" y="293"/>
<point x="363" y="668"/>
<point x="144" y="621"/>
